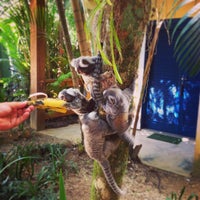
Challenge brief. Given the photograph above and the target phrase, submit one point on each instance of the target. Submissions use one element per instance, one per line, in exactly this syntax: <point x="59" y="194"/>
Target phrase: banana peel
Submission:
<point x="46" y="103"/>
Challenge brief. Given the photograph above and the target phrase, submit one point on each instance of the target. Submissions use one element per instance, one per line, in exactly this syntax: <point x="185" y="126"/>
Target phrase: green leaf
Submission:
<point x="62" y="187"/>
<point x="98" y="35"/>
<point x="187" y="27"/>
<point x="14" y="161"/>
<point x="187" y="44"/>
<point x="181" y="193"/>
<point x="185" y="47"/>
<point x="193" y="33"/>
<point x="187" y="53"/>
<point x="117" y="43"/>
<point x="112" y="49"/>
<point x="105" y="58"/>
<point x="177" y="5"/>
<point x="174" y="196"/>
<point x="195" y="70"/>
<point x="98" y="39"/>
<point x="185" y="17"/>
<point x="97" y="1"/>
<point x="109" y="2"/>
<point x="113" y="36"/>
<point x="193" y="196"/>
<point x="99" y="7"/>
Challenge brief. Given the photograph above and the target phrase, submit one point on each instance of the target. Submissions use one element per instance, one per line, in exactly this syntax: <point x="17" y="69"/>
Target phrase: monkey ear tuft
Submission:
<point x="86" y="61"/>
<point x="112" y="100"/>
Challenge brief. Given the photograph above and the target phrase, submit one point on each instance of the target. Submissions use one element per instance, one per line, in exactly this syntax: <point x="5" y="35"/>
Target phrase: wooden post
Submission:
<point x="38" y="58"/>
<point x="196" y="166"/>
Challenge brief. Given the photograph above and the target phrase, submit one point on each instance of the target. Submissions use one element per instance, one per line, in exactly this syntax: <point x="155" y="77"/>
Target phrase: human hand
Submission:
<point x="13" y="113"/>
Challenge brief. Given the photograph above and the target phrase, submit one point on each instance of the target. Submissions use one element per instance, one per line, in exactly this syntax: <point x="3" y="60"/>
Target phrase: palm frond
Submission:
<point x="187" y="42"/>
<point x="177" y="4"/>
<point x="193" y="20"/>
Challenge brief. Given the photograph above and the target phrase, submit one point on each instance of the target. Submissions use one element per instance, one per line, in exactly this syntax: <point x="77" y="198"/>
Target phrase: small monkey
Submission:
<point x="90" y="68"/>
<point x="117" y="108"/>
<point x="99" y="140"/>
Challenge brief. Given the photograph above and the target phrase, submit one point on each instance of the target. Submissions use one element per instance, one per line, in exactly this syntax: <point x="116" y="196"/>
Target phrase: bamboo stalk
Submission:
<point x="61" y="11"/>
<point x="84" y="45"/>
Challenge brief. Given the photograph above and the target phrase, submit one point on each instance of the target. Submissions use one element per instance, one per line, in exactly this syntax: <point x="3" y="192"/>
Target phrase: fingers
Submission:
<point x="23" y="114"/>
<point x="11" y="107"/>
<point x="30" y="109"/>
<point x="18" y="105"/>
<point x="21" y="118"/>
<point x="13" y="113"/>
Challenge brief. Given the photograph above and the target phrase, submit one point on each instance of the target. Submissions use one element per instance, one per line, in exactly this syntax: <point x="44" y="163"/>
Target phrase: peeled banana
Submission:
<point x="46" y="103"/>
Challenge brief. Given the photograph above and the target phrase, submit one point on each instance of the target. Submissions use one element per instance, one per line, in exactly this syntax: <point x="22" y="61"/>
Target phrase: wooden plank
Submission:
<point x="38" y="60"/>
<point x="196" y="167"/>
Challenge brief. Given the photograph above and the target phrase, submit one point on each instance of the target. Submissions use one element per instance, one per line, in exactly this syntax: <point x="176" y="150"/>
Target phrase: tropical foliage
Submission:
<point x="14" y="37"/>
<point x="15" y="22"/>
<point x="34" y="172"/>
<point x="99" y="10"/>
<point x="180" y="196"/>
<point x="187" y="44"/>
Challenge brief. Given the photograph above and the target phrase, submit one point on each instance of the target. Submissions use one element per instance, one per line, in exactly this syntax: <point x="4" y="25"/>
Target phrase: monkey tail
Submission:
<point x="109" y="177"/>
<point x="97" y="93"/>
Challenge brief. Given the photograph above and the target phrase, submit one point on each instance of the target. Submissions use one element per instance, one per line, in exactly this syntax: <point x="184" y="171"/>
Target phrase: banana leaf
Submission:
<point x="187" y="42"/>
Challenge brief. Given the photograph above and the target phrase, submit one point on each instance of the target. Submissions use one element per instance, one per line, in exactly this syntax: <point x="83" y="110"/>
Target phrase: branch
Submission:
<point x="146" y="72"/>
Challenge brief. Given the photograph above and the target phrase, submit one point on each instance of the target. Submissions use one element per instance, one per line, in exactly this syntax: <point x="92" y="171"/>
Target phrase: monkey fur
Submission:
<point x="106" y="94"/>
<point x="90" y="68"/>
<point x="101" y="132"/>
<point x="118" y="114"/>
<point x="97" y="147"/>
<point x="99" y="140"/>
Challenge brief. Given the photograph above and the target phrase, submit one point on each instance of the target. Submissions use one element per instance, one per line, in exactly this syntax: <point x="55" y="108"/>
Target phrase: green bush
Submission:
<point x="175" y="196"/>
<point x="33" y="172"/>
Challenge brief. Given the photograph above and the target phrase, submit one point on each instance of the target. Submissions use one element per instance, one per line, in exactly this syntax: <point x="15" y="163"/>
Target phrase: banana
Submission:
<point x="46" y="103"/>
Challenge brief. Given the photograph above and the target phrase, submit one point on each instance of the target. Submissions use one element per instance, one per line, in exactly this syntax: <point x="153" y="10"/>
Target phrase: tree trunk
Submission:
<point x="100" y="189"/>
<point x="84" y="44"/>
<point x="61" y="11"/>
<point x="130" y="18"/>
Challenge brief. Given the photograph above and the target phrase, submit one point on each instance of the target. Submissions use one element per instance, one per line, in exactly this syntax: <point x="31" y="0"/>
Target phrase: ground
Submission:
<point x="140" y="181"/>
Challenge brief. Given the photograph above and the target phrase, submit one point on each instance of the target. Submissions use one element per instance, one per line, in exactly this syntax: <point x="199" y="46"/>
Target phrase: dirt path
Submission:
<point x="140" y="181"/>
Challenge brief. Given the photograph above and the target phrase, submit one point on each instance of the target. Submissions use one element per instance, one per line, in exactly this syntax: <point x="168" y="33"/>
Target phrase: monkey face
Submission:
<point x="68" y="95"/>
<point x="116" y="106"/>
<point x="76" y="101"/>
<point x="84" y="65"/>
<point x="73" y="98"/>
<point x="115" y="102"/>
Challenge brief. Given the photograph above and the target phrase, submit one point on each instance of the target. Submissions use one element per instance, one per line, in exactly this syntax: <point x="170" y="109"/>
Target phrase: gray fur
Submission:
<point x="100" y="136"/>
<point x="99" y="140"/>
<point x="90" y="68"/>
<point x="117" y="108"/>
<point x="76" y="101"/>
